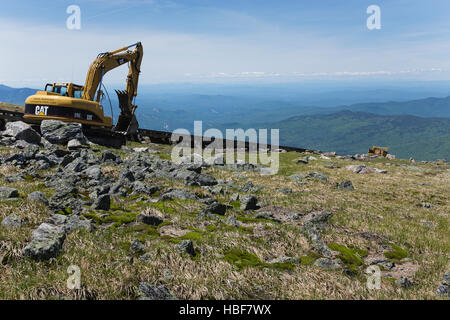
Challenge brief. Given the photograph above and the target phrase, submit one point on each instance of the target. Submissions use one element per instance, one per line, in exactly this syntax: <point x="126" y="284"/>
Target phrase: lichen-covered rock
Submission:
<point x="249" y="203"/>
<point x="187" y="246"/>
<point x="12" y="221"/>
<point x="346" y="185"/>
<point x="444" y="288"/>
<point x="149" y="219"/>
<point x="21" y="131"/>
<point x="103" y="202"/>
<point x="8" y="193"/>
<point x="47" y="242"/>
<point x="59" y="132"/>
<point x="38" y="196"/>
<point x="327" y="263"/>
<point x="149" y="292"/>
<point x="178" y="194"/>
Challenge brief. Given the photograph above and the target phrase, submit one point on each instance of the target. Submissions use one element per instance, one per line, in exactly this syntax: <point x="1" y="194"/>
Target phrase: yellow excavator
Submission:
<point x="83" y="104"/>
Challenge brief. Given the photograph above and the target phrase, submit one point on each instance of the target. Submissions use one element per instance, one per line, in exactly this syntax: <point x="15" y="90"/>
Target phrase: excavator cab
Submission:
<point x="65" y="89"/>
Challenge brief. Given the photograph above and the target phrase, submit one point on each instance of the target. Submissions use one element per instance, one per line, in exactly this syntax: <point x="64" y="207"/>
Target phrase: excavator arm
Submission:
<point x="106" y="62"/>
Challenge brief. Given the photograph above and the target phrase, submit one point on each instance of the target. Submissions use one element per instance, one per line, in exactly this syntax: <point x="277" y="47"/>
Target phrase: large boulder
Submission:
<point x="21" y="131"/>
<point x="8" y="193"/>
<point x="59" y="132"/>
<point x="47" y="242"/>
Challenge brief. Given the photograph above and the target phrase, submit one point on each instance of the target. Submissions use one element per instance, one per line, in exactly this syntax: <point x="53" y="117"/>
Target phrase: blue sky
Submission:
<point x="228" y="40"/>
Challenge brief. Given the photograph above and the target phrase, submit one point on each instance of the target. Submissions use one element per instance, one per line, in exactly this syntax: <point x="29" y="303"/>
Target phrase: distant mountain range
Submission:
<point x="15" y="95"/>
<point x="418" y="128"/>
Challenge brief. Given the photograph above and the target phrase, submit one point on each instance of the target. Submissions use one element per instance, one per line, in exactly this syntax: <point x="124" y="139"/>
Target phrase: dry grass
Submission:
<point x="386" y="206"/>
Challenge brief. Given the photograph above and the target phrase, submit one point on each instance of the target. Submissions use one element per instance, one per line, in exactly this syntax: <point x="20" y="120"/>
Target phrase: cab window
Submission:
<point x="77" y="94"/>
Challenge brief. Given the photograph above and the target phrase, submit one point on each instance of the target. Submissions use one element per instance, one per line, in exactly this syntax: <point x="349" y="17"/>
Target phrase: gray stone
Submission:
<point x="346" y="185"/>
<point x="187" y="246"/>
<point x="266" y="215"/>
<point x="302" y="160"/>
<point x="249" y="203"/>
<point x="291" y="260"/>
<point x="285" y="190"/>
<point x="137" y="246"/>
<point x="387" y="265"/>
<point x="178" y="194"/>
<point x="38" y="196"/>
<point x="12" y="221"/>
<point x="404" y="283"/>
<point x="149" y="219"/>
<point x="149" y="292"/>
<point x="59" y="132"/>
<point x="327" y="263"/>
<point x="70" y="223"/>
<point x="22" y="131"/>
<point x="47" y="241"/>
<point x="103" y="202"/>
<point x="74" y="144"/>
<point x="444" y="288"/>
<point x="8" y="193"/>
<point x="232" y="221"/>
<point x="216" y="208"/>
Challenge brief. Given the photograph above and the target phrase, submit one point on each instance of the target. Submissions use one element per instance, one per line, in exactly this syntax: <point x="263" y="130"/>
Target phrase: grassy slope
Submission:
<point x="354" y="132"/>
<point x="384" y="205"/>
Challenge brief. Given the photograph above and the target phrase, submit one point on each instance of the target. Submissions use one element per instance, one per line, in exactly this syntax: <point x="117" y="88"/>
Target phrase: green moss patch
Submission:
<point x="396" y="254"/>
<point x="350" y="258"/>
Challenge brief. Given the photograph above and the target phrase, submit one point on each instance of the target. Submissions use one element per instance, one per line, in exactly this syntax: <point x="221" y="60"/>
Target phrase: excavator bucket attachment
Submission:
<point x="127" y="122"/>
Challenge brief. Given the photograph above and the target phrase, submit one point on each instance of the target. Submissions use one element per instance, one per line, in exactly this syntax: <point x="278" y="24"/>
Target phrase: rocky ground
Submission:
<point x="140" y="226"/>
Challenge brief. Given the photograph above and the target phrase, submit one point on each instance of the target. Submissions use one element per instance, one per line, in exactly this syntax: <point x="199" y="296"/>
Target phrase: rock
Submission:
<point x="74" y="144"/>
<point x="234" y="197"/>
<point x="178" y="194"/>
<point x="70" y="223"/>
<point x="38" y="196"/>
<point x="103" y="202"/>
<point x="388" y="265"/>
<point x="297" y="178"/>
<point x="266" y="215"/>
<point x="47" y="241"/>
<point x="311" y="226"/>
<point x="109" y="156"/>
<point x="249" y="203"/>
<point x="404" y="283"/>
<point x="346" y="185"/>
<point x="291" y="260"/>
<point x="232" y="221"/>
<point x="22" y="131"/>
<point x="149" y="219"/>
<point x="59" y="132"/>
<point x="76" y="165"/>
<point x="444" y="288"/>
<point x="301" y="160"/>
<point x="390" y="156"/>
<point x="94" y="172"/>
<point x="285" y="190"/>
<point x="30" y="151"/>
<point x="187" y="246"/>
<point x="327" y="263"/>
<point x="137" y="246"/>
<point x="316" y="176"/>
<point x="8" y="193"/>
<point x="148" y="292"/>
<point x="216" y="208"/>
<point x="142" y="149"/>
<point x="126" y="175"/>
<point x="12" y="221"/>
